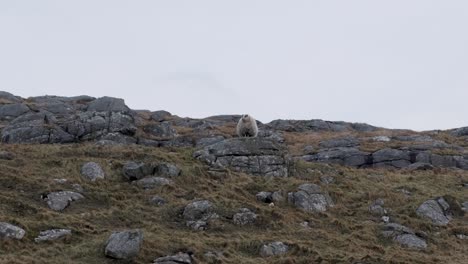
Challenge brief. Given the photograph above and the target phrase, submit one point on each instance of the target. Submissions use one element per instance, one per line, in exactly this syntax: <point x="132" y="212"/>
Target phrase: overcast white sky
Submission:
<point x="396" y="64"/>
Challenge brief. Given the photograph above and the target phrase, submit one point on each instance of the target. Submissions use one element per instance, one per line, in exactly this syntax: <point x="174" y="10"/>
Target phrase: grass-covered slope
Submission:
<point x="346" y="233"/>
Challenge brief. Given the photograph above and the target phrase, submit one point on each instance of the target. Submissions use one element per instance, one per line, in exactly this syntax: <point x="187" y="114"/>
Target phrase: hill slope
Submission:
<point x="371" y="195"/>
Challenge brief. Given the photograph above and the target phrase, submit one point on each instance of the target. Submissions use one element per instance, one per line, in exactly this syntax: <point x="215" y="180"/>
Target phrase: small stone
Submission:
<point x="462" y="236"/>
<point x="11" y="231"/>
<point x="327" y="179"/>
<point x="277" y="197"/>
<point x="167" y="170"/>
<point x="179" y="258"/>
<point x="273" y="249"/>
<point x="153" y="182"/>
<point x="92" y="171"/>
<point x="52" y="234"/>
<point x="376" y="208"/>
<point x="157" y="200"/>
<point x="124" y="245"/>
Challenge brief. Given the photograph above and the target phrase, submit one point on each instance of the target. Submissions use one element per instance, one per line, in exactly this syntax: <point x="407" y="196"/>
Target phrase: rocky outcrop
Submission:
<point x="255" y="156"/>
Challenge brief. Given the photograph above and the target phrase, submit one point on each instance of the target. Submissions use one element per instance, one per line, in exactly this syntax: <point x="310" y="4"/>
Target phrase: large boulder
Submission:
<point x="58" y="201"/>
<point x="137" y="170"/>
<point x="92" y="171"/>
<point x="124" y="245"/>
<point x="437" y="210"/>
<point x="310" y="198"/>
<point x="11" y="231"/>
<point x="254" y="156"/>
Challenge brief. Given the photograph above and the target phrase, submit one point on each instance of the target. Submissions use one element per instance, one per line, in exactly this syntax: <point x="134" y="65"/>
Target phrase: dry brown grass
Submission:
<point x="345" y="234"/>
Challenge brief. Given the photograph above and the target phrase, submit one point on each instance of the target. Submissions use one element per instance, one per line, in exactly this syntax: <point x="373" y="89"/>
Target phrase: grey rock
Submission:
<point x="273" y="249"/>
<point x="179" y="258"/>
<point x="309" y="150"/>
<point x="403" y="236"/>
<point x="35" y="128"/>
<point x="343" y="156"/>
<point x="167" y="170"/>
<point x="460" y="132"/>
<point x="255" y="156"/>
<point x="272" y="135"/>
<point x="376" y="208"/>
<point x="420" y="166"/>
<point x="318" y="125"/>
<point x="339" y="143"/>
<point x="160" y="115"/>
<point x="92" y="171"/>
<point x="411" y="241"/>
<point x="58" y="201"/>
<point x="462" y="236"/>
<point x="327" y="179"/>
<point x="436" y="210"/>
<point x="414" y="138"/>
<point x="8" y="98"/>
<point x="118" y="138"/>
<point x="277" y="197"/>
<point x="161" y="130"/>
<point x="265" y="197"/>
<point x="391" y="157"/>
<point x="11" y="231"/>
<point x="124" y="245"/>
<point x="310" y="198"/>
<point x="135" y="171"/>
<point x="443" y="161"/>
<point x="5" y="155"/>
<point x="52" y="234"/>
<point x="244" y="217"/>
<point x="198" y="210"/>
<point x="108" y="104"/>
<point x="203" y="142"/>
<point x="157" y="200"/>
<point x="153" y="182"/>
<point x="465" y="206"/>
<point x="11" y="111"/>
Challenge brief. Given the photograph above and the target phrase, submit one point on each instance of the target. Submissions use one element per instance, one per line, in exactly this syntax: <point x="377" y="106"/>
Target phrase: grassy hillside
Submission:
<point x="347" y="233"/>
